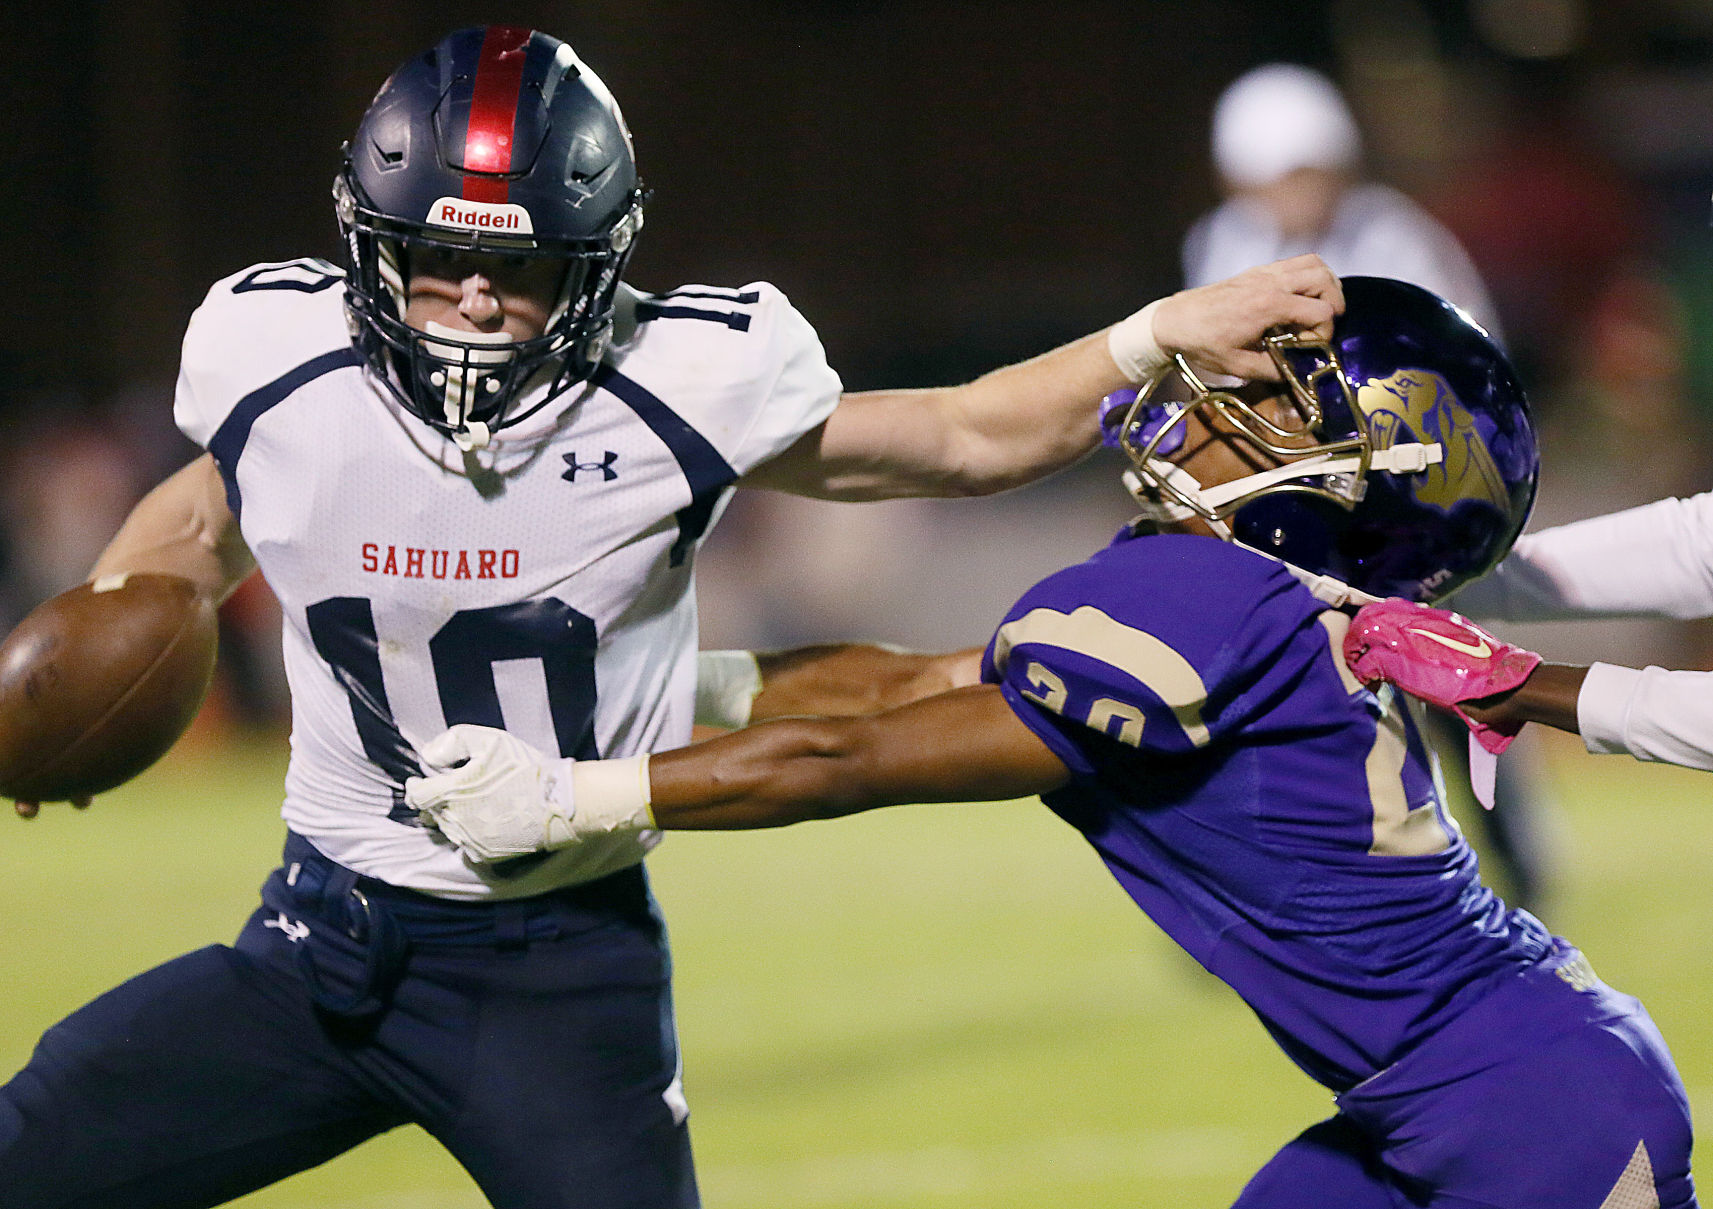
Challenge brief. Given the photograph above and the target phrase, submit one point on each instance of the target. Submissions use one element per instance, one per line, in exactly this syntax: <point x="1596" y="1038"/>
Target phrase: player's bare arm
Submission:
<point x="183" y="527"/>
<point x="1548" y="696"/>
<point x="844" y="679"/>
<point x="496" y="797"/>
<point x="1018" y="423"/>
<point x="961" y="746"/>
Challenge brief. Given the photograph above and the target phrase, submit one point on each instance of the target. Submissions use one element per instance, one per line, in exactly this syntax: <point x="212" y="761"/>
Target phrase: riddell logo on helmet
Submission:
<point x="480" y="216"/>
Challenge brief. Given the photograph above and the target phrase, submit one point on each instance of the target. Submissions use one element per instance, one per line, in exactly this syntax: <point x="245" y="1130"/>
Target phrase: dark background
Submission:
<point x="940" y="187"/>
<point x="937" y="185"/>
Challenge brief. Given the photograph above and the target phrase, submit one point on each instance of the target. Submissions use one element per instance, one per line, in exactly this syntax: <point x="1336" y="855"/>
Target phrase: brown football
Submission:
<point x="98" y="682"/>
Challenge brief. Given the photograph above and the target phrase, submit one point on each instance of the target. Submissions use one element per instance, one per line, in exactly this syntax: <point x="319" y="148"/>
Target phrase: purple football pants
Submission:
<point x="1552" y="1092"/>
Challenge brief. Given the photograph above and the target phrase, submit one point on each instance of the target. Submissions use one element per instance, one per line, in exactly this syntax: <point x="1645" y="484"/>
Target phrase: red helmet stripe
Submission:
<point x="493" y="110"/>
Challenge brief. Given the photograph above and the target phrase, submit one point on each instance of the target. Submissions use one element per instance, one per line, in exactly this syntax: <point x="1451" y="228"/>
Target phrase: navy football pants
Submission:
<point x="1553" y="1092"/>
<point x="533" y="1039"/>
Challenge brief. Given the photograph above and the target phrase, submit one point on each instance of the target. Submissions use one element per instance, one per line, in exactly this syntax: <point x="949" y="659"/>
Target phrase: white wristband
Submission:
<point x="1133" y="347"/>
<point x="610" y="796"/>
<point x="727" y="683"/>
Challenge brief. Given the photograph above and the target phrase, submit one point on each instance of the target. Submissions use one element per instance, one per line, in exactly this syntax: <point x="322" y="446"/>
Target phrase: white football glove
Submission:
<point x="492" y="794"/>
<point x="495" y="796"/>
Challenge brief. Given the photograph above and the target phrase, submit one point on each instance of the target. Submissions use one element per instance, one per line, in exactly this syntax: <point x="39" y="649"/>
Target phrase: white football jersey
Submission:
<point x="543" y="584"/>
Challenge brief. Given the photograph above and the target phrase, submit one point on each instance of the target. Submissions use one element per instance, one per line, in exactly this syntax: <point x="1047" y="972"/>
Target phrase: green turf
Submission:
<point x="940" y="1007"/>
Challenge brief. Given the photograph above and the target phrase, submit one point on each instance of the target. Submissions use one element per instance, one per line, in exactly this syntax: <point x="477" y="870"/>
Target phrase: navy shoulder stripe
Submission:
<point x="736" y="320"/>
<point x="745" y="297"/>
<point x="707" y="472"/>
<point x="227" y="443"/>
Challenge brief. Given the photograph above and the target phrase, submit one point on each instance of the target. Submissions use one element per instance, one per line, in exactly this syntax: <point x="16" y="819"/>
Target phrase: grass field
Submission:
<point x="933" y="1008"/>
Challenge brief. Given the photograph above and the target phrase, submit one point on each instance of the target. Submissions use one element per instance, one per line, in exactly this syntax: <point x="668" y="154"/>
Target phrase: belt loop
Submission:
<point x="368" y="923"/>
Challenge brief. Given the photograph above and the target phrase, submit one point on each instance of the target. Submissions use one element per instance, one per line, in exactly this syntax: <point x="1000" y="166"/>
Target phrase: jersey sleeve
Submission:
<point x="1090" y="656"/>
<point x="1649" y="713"/>
<point x="742" y="367"/>
<point x="252" y="329"/>
<point x="1655" y="560"/>
<point x="797" y="388"/>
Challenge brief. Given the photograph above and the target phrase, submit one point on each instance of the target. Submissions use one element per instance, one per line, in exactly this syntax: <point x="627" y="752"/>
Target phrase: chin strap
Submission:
<point x="1162" y="509"/>
<point x="1411" y="458"/>
<point x="1334" y="593"/>
<point x="462" y="385"/>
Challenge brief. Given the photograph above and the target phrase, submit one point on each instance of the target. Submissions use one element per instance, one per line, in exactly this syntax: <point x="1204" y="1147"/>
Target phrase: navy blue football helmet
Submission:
<point x="1410" y="466"/>
<point x="499" y="139"/>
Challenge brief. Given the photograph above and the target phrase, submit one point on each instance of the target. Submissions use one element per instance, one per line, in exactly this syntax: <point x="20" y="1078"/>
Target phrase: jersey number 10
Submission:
<point x="463" y="653"/>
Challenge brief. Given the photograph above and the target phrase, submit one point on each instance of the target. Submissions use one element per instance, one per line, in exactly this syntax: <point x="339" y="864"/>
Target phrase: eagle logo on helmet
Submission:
<point x="1419" y="405"/>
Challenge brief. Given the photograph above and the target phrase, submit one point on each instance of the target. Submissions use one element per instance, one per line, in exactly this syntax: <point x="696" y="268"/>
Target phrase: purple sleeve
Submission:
<point x="1162" y="647"/>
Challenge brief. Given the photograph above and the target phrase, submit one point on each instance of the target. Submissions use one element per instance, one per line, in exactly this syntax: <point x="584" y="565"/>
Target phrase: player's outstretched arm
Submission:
<point x="962" y="746"/>
<point x="183" y="527"/>
<point x="495" y="797"/>
<point x="735" y="688"/>
<point x="1653" y="714"/>
<point x="1018" y="423"/>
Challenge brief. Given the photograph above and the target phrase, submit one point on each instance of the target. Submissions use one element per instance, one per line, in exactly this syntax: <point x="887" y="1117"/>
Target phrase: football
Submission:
<point x="98" y="682"/>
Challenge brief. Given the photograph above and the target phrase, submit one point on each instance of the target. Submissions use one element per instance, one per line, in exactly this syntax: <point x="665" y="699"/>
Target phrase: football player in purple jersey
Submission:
<point x="1181" y="699"/>
<point x="474" y="464"/>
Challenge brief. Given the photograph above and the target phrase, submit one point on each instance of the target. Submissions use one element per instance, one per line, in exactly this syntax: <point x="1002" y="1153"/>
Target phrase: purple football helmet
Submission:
<point x="1411" y="471"/>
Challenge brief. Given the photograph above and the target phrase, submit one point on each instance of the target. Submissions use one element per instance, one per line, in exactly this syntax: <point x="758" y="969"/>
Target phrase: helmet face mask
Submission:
<point x="1399" y="457"/>
<point x="497" y="141"/>
<point x="1153" y="433"/>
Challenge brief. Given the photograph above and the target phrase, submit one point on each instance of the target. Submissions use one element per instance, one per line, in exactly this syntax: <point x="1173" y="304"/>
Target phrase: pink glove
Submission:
<point x="1439" y="656"/>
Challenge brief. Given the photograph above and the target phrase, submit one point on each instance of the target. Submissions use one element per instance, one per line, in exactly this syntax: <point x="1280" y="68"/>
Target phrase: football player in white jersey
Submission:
<point x="475" y="466"/>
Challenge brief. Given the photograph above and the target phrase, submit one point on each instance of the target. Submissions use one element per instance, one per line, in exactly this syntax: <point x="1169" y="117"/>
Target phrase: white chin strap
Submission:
<point x="1161" y="508"/>
<point x="1412" y="458"/>
<point x="1164" y="509"/>
<point x="464" y="387"/>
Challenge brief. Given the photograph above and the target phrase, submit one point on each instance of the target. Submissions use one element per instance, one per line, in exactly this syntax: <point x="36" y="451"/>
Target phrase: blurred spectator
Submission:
<point x="1289" y="157"/>
<point x="66" y="490"/>
<point x="1569" y="238"/>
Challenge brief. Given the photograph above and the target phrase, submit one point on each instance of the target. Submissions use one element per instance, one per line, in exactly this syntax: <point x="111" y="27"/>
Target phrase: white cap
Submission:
<point x="1278" y="118"/>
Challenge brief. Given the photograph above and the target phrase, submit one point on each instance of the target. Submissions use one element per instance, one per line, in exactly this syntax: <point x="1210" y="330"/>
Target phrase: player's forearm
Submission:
<point x="1002" y="430"/>
<point x="769" y="775"/>
<point x="183" y="527"/>
<point x="961" y="746"/>
<point x="1019" y="423"/>
<point x="838" y="680"/>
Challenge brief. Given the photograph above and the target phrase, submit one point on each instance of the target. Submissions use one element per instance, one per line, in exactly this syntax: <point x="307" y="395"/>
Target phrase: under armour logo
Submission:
<point x="605" y="466"/>
<point x="294" y="930"/>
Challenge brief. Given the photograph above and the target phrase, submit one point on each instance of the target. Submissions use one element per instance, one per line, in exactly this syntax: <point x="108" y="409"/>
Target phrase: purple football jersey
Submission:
<point x="1275" y="818"/>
